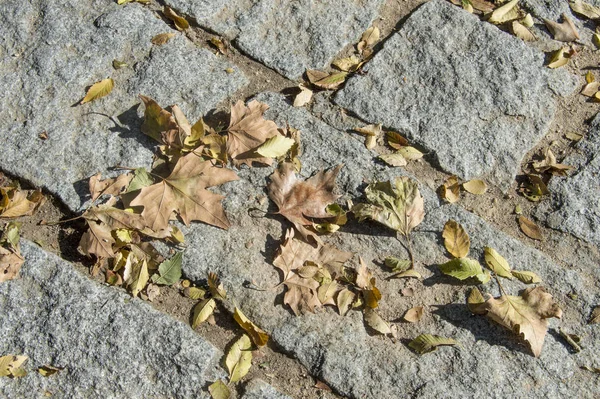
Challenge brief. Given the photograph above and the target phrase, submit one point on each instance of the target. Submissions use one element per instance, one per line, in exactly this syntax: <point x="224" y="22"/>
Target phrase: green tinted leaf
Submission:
<point x="461" y="268"/>
<point x="219" y="390"/>
<point x="202" y="311"/>
<point x="169" y="270"/>
<point x="497" y="263"/>
<point x="427" y="343"/>
<point x="526" y="276"/>
<point x="239" y="359"/>
<point x="397" y="265"/>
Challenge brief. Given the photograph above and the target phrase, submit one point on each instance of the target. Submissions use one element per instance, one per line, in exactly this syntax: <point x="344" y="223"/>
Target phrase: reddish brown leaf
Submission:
<point x="108" y="186"/>
<point x="530" y="229"/>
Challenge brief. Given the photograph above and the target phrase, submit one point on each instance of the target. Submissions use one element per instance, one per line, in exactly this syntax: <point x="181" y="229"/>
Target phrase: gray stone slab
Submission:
<point x="50" y="51"/>
<point x="259" y="389"/>
<point x="340" y="351"/>
<point x="111" y="346"/>
<point x="288" y="36"/>
<point x="575" y="204"/>
<point x="475" y="96"/>
<point x="551" y="9"/>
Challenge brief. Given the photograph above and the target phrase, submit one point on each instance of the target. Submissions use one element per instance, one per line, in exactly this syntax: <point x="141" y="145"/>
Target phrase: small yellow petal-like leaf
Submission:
<point x="47" y="371"/>
<point x="162" y="38"/>
<point x="504" y="13"/>
<point x="397" y="265"/>
<point x="344" y="300"/>
<point x="371" y="36"/>
<point x="456" y="239"/>
<point x="413" y="315"/>
<point x="589" y="77"/>
<point x="526" y="277"/>
<point x="475" y="186"/>
<point x="408" y="274"/>
<point x="202" y="311"/>
<point x="259" y="336"/>
<point x="375" y="321"/>
<point x="530" y="229"/>
<point x="410" y="153"/>
<point x="395" y="159"/>
<point x="180" y="22"/>
<point x="348" y="64"/>
<point x="275" y="147"/>
<point x="427" y="343"/>
<point x="497" y="263"/>
<point x="99" y="90"/>
<point x="194" y="293"/>
<point x="215" y="286"/>
<point x="303" y="97"/>
<point x="522" y="32"/>
<point x="239" y="358"/>
<point x="527" y="21"/>
<point x="596" y="40"/>
<point x="559" y="58"/>
<point x="219" y="390"/>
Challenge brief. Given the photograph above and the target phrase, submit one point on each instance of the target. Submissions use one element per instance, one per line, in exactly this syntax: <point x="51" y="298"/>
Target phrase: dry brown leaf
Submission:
<point x="10" y="263"/>
<point x="324" y="80"/>
<point x="368" y="39"/>
<point x="595" y="316"/>
<point x="258" y="336"/>
<point x="456" y="239"/>
<point x="303" y="97"/>
<point x="162" y="38"/>
<point x="184" y="192"/>
<point x="504" y="13"/>
<point x="108" y="186"/>
<point x="219" y="45"/>
<point x="247" y="131"/>
<point x="522" y="32"/>
<point x="344" y="300"/>
<point x="367" y="284"/>
<point x="395" y="140"/>
<point x="549" y="164"/>
<point x="180" y="22"/>
<point x="590" y="89"/>
<point x="530" y="229"/>
<point x="585" y="9"/>
<point x="298" y="200"/>
<point x="563" y="32"/>
<point x="413" y="315"/>
<point x="475" y="186"/>
<point x="15" y="202"/>
<point x="525" y="315"/>
<point x="301" y="292"/>
<point x="371" y="133"/>
<point x="450" y="190"/>
<point x="97" y="240"/>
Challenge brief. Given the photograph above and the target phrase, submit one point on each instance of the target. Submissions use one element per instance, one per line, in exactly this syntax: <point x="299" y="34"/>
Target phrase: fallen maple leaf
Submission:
<point x="298" y="200"/>
<point x="108" y="186"/>
<point x="184" y="192"/>
<point x="525" y="315"/>
<point x="15" y="202"/>
<point x="247" y="131"/>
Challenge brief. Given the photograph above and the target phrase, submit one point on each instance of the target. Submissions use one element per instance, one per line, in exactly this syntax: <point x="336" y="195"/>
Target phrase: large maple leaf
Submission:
<point x="184" y="192"/>
<point x="298" y="200"/>
<point x="247" y="131"/>
<point x="301" y="294"/>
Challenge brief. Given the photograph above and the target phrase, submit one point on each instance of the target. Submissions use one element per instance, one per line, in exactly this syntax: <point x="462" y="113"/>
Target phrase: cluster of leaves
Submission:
<point x="450" y="190"/>
<point x="13" y="366"/>
<point x="534" y="187"/>
<point x="344" y="67"/>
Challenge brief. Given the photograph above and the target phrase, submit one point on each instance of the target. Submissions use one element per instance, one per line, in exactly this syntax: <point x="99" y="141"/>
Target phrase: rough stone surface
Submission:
<point x="50" y="51"/>
<point x="340" y="351"/>
<point x="551" y="9"/>
<point x="288" y="36"/>
<point x="259" y="389"/>
<point x="477" y="97"/>
<point x="109" y="345"/>
<point x="575" y="205"/>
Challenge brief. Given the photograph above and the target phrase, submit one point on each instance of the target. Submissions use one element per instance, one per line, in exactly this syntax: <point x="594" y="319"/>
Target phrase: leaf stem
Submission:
<point x="499" y="285"/>
<point x="410" y="250"/>
<point x="63" y="221"/>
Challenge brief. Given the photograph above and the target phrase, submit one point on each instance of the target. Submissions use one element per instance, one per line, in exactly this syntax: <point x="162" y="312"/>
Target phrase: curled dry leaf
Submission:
<point x="395" y="140"/>
<point x="367" y="284"/>
<point x="344" y="301"/>
<point x="476" y="302"/>
<point x="239" y="358"/>
<point x="595" y="316"/>
<point x="97" y="240"/>
<point x="47" y="370"/>
<point x="530" y="229"/>
<point x="450" y="190"/>
<point x="397" y="265"/>
<point x="303" y="97"/>
<point x="585" y="9"/>
<point x="216" y="287"/>
<point x="108" y="186"/>
<point x="563" y="32"/>
<point x="162" y="38"/>
<point x="526" y="277"/>
<point x="475" y="186"/>
<point x="298" y="200"/>
<point x="497" y="263"/>
<point x="325" y="80"/>
<point x="348" y="64"/>
<point x="218" y="44"/>
<point x="395" y="159"/>
<point x="505" y="13"/>
<point x="560" y="58"/>
<point x="194" y="293"/>
<point x="10" y="253"/>
<point x="247" y="131"/>
<point x="522" y="32"/>
<point x="15" y="202"/>
<point x="11" y="366"/>
<point x="99" y="90"/>
<point x="428" y="343"/>
<point x="368" y="39"/>
<point x="456" y="239"/>
<point x="184" y="191"/>
<point x="259" y="336"/>
<point x="202" y="311"/>
<point x="119" y="64"/>
<point x="371" y="133"/>
<point x="413" y="315"/>
<point x="525" y="315"/>
<point x="527" y="21"/>
<point x="549" y="164"/>
<point x="376" y="322"/>
<point x="180" y="22"/>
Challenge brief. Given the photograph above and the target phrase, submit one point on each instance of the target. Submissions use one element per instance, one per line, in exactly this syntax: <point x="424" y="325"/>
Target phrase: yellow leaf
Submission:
<point x="348" y="64"/>
<point x="410" y="153"/>
<point x="456" y="239"/>
<point x="526" y="277"/>
<point x="589" y="77"/>
<point x="344" y="300"/>
<point x="10" y="366"/>
<point x="530" y="229"/>
<point x="375" y="321"/>
<point x="476" y="302"/>
<point x="219" y="390"/>
<point x="505" y="13"/>
<point x="395" y="159"/>
<point x="239" y="359"/>
<point x="275" y="147"/>
<point x="99" y="90"/>
<point x="413" y="315"/>
<point x="325" y="80"/>
<point x="585" y="9"/>
<point x="590" y="89"/>
<point x="596" y="40"/>
<point x="428" y="343"/>
<point x="450" y="190"/>
<point x="475" y="186"/>
<point x="497" y="263"/>
<point x="216" y="287"/>
<point x="595" y="316"/>
<point x="559" y="58"/>
<point x="371" y="36"/>
<point x="259" y="336"/>
<point x="47" y="371"/>
<point x="180" y="22"/>
<point x="303" y="97"/>
<point x="527" y="21"/>
<point x="140" y="277"/>
<point x="522" y="32"/>
<point x="202" y="311"/>
<point x="162" y="38"/>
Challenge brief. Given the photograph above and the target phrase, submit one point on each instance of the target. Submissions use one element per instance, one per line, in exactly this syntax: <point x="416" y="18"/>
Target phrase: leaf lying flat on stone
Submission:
<point x="325" y="80"/>
<point x="276" y="146"/>
<point x="522" y="32"/>
<point x="413" y="315"/>
<point x="476" y="302"/>
<point x="239" y="358"/>
<point x="525" y="315"/>
<point x="180" y="22"/>
<point x="526" y="277"/>
<point x="456" y="239"/>
<point x="505" y="13"/>
<point x="348" y="64"/>
<point x="585" y="9"/>
<point x="563" y="32"/>
<point x="303" y="97"/>
<point x="376" y="322"/>
<point x="595" y="316"/>
<point x="464" y="268"/>
<point x="530" y="229"/>
<point x="560" y="58"/>
<point x="162" y="38"/>
<point x="47" y="371"/>
<point x="397" y="265"/>
<point x="108" y="186"/>
<point x="99" y="90"/>
<point x="497" y="263"/>
<point x="428" y="343"/>
<point x="11" y="260"/>
<point x="549" y="164"/>
<point x="450" y="190"/>
<point x="15" y="202"/>
<point x="475" y="186"/>
<point x="344" y="300"/>
<point x="259" y="336"/>
<point x="219" y="390"/>
<point x="590" y="89"/>
<point x="169" y="271"/>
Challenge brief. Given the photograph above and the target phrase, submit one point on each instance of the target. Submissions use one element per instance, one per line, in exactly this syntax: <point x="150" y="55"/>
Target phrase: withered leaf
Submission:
<point x="275" y="147"/>
<point x="99" y="90"/>
<point x="397" y="265"/>
<point x="10" y="264"/>
<point x="184" y="192"/>
<point x="15" y="202"/>
<point x="344" y="300"/>
<point x="216" y="287"/>
<point x="303" y="97"/>
<point x="549" y="164"/>
<point x="397" y="205"/>
<point x="11" y="366"/>
<point x="525" y="315"/>
<point x="395" y="159"/>
<point x="563" y="32"/>
<point x="413" y="315"/>
<point x="162" y="38"/>
<point x="450" y="190"/>
<point x="376" y="322"/>
<point x="428" y="343"/>
<point x="560" y="58"/>
<point x="138" y="278"/>
<point x="202" y="311"/>
<point x="298" y="200"/>
<point x="505" y="13"/>
<point x="456" y="239"/>
<point x="239" y="358"/>
<point x="530" y="229"/>
<point x="522" y="32"/>
<point x="366" y="282"/>
<point x="219" y="390"/>
<point x="180" y="22"/>
<point x="248" y="130"/>
<point x="218" y="44"/>
<point x="348" y="64"/>
<point x="108" y="186"/>
<point x="585" y="9"/>
<point x="475" y="186"/>
<point x="259" y="336"/>
<point x="395" y="140"/>
<point x="97" y="240"/>
<point x="157" y="120"/>
<point x="590" y="89"/>
<point x="526" y="277"/>
<point x="48" y="370"/>
<point x="595" y="316"/>
<point x="497" y="263"/>
<point x="476" y="302"/>
<point x="325" y="80"/>
<point x="194" y="292"/>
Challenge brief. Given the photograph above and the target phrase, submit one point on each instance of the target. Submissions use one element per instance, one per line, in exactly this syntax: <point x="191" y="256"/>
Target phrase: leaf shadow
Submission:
<point x="481" y="328"/>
